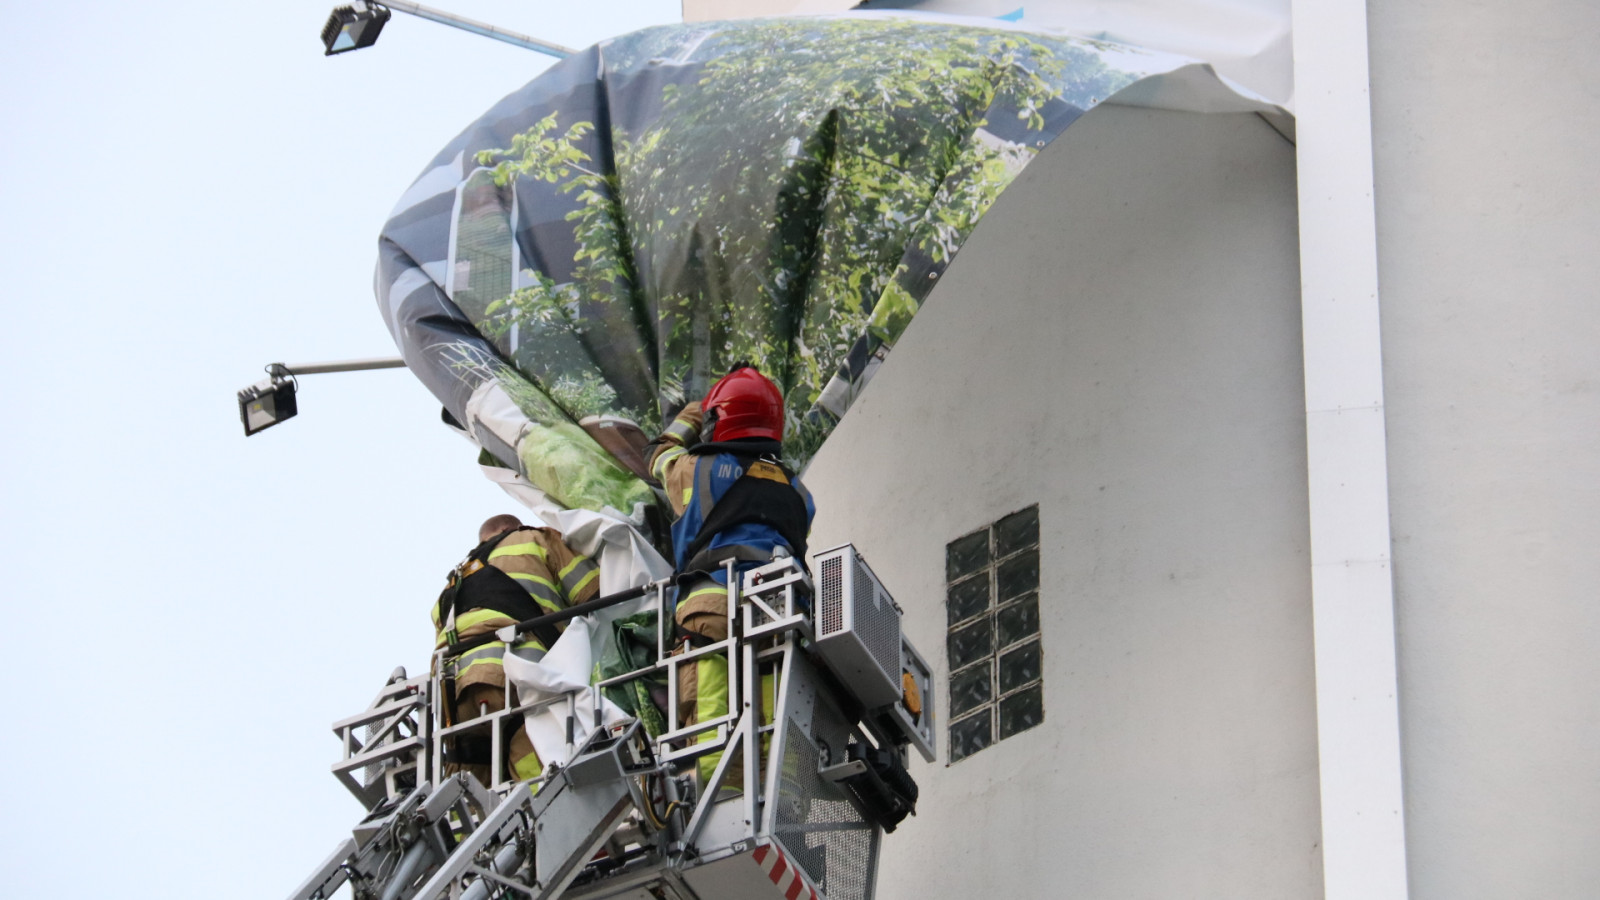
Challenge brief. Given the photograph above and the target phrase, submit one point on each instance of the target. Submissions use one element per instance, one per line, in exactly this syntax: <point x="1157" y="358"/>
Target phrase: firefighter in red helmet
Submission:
<point x="720" y="463"/>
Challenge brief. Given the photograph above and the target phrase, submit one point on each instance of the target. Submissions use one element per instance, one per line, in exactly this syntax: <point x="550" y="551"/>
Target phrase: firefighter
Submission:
<point x="720" y="465"/>
<point x="516" y="573"/>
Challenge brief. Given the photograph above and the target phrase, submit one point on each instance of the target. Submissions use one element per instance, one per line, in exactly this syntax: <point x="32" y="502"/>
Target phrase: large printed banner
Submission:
<point x="604" y="243"/>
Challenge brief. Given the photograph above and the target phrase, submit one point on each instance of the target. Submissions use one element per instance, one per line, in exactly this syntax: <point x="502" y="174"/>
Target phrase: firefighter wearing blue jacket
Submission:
<point x="720" y="464"/>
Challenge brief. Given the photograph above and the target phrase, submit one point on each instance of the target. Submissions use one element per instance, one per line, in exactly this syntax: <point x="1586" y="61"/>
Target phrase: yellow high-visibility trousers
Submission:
<point x="703" y="686"/>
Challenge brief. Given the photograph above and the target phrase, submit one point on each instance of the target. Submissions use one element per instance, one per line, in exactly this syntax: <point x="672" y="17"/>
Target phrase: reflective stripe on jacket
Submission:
<point x="554" y="576"/>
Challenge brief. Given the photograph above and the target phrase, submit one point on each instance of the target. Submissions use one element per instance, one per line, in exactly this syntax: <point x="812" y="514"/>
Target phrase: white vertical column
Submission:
<point x="1358" y="726"/>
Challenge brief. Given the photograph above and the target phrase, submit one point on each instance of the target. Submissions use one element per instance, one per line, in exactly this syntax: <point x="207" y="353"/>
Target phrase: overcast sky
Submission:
<point x="190" y="191"/>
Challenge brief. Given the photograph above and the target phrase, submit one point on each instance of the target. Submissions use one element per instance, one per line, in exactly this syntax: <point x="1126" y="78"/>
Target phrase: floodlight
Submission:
<point x="271" y="400"/>
<point x="268" y="402"/>
<point x="353" y="27"/>
<point x="357" y="25"/>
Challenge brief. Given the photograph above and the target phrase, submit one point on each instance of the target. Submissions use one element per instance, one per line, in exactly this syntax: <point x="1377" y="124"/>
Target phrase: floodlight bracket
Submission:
<point x="344" y="365"/>
<point x="272" y="400"/>
<point x="380" y="13"/>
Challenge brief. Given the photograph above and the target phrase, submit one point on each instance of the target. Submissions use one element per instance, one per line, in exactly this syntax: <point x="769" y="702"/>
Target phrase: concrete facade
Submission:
<point x="1119" y="342"/>
<point x="1486" y="128"/>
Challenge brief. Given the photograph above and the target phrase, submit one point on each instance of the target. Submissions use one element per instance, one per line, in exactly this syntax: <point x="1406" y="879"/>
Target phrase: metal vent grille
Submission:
<point x="820" y="830"/>
<point x="830" y="608"/>
<point x="858" y="627"/>
<point x="877" y="622"/>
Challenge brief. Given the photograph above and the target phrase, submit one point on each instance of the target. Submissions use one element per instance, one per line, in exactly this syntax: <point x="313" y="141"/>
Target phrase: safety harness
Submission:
<point x="763" y="495"/>
<point x="475" y="584"/>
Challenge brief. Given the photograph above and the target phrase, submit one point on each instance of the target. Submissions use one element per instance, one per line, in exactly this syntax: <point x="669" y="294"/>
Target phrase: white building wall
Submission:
<point x="1487" y="156"/>
<point x="1119" y="342"/>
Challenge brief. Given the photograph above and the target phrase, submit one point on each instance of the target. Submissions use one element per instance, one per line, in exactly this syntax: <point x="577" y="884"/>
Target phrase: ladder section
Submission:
<point x="402" y="839"/>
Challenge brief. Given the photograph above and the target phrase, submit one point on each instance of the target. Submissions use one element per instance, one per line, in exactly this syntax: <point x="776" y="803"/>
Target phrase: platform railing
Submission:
<point x="660" y="822"/>
<point x="403" y="735"/>
<point x="678" y="744"/>
<point x="387" y="738"/>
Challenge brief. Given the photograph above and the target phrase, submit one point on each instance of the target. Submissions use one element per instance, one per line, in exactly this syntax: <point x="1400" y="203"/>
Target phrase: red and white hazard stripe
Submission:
<point x="785" y="877"/>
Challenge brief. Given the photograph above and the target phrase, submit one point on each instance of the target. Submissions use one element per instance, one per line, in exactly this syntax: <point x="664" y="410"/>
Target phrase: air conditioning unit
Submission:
<point x="857" y="627"/>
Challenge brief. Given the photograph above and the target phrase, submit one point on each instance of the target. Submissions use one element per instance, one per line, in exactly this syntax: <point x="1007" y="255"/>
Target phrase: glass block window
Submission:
<point x="996" y="661"/>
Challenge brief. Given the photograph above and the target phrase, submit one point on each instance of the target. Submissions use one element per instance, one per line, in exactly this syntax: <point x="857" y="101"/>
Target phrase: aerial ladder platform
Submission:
<point x="797" y="805"/>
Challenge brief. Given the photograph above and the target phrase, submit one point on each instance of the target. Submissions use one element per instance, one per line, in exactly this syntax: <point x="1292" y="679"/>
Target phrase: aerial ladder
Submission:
<point x="796" y="807"/>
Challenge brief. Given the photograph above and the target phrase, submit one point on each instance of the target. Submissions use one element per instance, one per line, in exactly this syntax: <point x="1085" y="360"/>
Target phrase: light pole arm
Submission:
<point x="480" y="28"/>
<point x="346" y="365"/>
<point x="268" y="402"/>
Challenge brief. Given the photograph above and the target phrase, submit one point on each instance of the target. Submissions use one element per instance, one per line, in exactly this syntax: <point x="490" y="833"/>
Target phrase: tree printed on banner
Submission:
<point x="779" y="192"/>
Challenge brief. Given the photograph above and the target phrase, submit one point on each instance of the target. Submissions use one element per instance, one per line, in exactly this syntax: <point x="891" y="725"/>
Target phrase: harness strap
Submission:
<point x="702" y="485"/>
<point x="711" y="559"/>
<point x="495" y="590"/>
<point x="752" y="498"/>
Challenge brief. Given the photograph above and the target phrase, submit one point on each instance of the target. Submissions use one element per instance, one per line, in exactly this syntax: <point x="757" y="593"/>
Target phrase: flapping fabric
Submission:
<point x="604" y="243"/>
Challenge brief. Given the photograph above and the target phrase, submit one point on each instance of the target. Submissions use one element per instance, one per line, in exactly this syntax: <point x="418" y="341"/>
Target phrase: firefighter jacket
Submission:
<point x="540" y="562"/>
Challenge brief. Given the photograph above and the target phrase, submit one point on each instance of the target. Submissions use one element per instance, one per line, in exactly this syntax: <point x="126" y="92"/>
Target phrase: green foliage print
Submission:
<point x="782" y="192"/>
<point x="554" y="453"/>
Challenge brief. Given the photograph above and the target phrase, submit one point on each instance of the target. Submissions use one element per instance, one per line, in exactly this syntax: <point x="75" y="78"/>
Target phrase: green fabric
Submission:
<point x="632" y="647"/>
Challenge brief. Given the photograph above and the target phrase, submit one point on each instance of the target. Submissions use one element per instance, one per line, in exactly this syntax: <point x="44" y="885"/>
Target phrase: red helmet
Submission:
<point x="744" y="404"/>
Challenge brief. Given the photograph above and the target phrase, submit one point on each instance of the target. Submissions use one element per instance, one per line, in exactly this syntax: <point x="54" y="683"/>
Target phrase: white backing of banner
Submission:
<point x="1248" y="41"/>
<point x="563" y="671"/>
<point x="613" y="541"/>
<point x="491" y="411"/>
